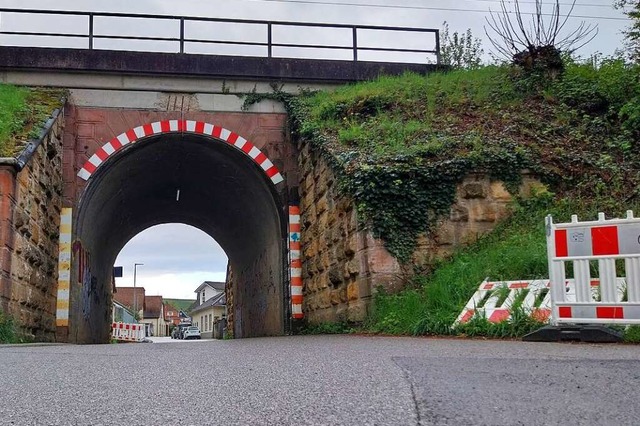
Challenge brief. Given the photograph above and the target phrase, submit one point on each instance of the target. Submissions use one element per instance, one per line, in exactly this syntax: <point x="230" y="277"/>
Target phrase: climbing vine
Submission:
<point x="398" y="196"/>
<point x="400" y="146"/>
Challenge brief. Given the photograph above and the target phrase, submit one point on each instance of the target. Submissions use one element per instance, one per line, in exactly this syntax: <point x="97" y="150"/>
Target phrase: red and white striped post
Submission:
<point x="295" y="264"/>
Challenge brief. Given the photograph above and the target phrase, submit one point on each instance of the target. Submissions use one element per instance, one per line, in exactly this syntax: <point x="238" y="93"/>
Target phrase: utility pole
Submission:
<point x="135" y="296"/>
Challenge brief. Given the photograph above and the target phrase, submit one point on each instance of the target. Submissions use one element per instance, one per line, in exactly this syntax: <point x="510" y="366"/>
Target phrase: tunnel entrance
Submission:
<point x="194" y="179"/>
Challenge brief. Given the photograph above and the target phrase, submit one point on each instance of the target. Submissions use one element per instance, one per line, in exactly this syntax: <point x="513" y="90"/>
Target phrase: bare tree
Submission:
<point x="514" y="36"/>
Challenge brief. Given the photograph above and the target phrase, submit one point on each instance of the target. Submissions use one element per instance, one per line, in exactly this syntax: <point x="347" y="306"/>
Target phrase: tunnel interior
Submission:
<point x="190" y="179"/>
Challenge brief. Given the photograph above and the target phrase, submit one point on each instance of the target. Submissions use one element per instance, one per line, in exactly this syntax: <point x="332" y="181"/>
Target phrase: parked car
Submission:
<point x="192" y="332"/>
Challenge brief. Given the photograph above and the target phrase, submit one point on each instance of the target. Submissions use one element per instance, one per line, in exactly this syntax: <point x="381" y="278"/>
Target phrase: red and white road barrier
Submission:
<point x="609" y="299"/>
<point x="127" y="332"/>
<point x="295" y="264"/>
<point x="484" y="302"/>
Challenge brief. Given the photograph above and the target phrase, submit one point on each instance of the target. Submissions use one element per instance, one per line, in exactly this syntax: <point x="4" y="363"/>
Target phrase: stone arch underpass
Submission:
<point x="180" y="171"/>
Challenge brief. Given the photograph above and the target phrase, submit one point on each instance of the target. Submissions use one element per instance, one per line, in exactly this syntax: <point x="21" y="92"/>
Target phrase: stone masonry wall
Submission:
<point x="342" y="265"/>
<point x="30" y="215"/>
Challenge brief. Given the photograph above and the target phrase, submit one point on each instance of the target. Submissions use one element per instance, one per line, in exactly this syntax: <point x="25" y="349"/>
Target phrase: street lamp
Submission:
<point x="135" y="301"/>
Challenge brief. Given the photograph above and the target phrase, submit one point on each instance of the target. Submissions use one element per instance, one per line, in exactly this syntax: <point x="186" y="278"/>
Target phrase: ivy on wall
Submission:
<point x="399" y="146"/>
<point x="398" y="196"/>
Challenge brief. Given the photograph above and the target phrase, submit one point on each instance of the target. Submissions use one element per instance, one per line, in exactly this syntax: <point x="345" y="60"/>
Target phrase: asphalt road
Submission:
<point x="321" y="380"/>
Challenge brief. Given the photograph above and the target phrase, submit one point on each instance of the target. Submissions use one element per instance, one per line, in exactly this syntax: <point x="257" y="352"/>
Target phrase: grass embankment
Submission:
<point x="181" y="304"/>
<point x="23" y="112"/>
<point x="400" y="146"/>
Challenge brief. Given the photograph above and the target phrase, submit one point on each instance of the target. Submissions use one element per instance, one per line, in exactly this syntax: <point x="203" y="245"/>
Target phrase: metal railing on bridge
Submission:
<point x="220" y="36"/>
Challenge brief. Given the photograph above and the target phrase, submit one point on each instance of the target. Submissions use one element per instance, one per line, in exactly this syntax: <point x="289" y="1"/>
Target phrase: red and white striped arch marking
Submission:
<point x="186" y="126"/>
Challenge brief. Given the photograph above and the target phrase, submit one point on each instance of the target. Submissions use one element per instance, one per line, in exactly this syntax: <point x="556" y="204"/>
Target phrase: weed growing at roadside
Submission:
<point x="8" y="330"/>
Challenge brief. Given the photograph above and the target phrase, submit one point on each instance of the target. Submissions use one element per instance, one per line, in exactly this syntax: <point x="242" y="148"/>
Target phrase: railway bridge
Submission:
<point x="147" y="137"/>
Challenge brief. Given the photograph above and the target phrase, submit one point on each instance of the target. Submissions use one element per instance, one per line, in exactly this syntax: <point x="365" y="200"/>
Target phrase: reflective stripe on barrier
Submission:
<point x="613" y="244"/>
<point x="127" y="332"/>
<point x="484" y="302"/>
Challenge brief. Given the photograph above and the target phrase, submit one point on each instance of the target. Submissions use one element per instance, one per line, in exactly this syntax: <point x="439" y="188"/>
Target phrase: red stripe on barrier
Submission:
<point x="200" y="127"/>
<point x="565" y="312"/>
<point x="541" y="314"/>
<point x="148" y="129"/>
<point x="467" y="316"/>
<point x="294" y="245"/>
<point x="296" y="263"/>
<point x="182" y="125"/>
<point x="519" y="285"/>
<point x="217" y="131"/>
<point x="562" y="250"/>
<point x="294" y="210"/>
<point x="296" y="281"/>
<point x="499" y="315"/>
<point x="294" y="227"/>
<point x="296" y="300"/>
<point x="610" y="312"/>
<point x="487" y="287"/>
<point x="298" y="316"/>
<point x="605" y="240"/>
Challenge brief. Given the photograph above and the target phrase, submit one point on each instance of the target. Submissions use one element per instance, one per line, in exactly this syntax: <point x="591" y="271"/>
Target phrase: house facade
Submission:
<point x="211" y="306"/>
<point x="121" y="313"/>
<point x="131" y="298"/>
<point x="154" y="316"/>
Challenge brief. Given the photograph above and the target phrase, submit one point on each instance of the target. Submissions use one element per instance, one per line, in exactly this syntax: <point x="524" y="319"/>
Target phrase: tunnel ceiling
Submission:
<point x="221" y="191"/>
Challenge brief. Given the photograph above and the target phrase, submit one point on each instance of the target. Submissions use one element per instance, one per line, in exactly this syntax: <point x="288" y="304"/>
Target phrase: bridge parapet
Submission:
<point x="239" y="37"/>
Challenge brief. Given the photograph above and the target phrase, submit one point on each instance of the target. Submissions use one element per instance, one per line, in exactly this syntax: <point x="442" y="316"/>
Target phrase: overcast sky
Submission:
<point x="177" y="258"/>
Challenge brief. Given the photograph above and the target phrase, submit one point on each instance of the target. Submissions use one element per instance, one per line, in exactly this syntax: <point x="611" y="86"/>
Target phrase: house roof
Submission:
<point x="170" y="308"/>
<point x="219" y="300"/>
<point x="213" y="284"/>
<point x="153" y="306"/>
<point x="124" y="296"/>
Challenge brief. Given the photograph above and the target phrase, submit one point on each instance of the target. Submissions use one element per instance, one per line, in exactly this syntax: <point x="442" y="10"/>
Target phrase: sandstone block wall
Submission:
<point x="30" y="219"/>
<point x="342" y="265"/>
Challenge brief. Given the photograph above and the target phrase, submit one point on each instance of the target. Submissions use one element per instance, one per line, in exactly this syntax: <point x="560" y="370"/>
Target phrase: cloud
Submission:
<point x="176" y="259"/>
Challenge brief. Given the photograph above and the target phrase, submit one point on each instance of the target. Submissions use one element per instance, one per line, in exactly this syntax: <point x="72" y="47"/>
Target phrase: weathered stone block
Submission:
<point x="459" y="213"/>
<point x="473" y="190"/>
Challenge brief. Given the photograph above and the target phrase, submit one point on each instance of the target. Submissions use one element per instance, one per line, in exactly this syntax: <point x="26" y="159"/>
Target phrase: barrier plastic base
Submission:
<point x="584" y="333"/>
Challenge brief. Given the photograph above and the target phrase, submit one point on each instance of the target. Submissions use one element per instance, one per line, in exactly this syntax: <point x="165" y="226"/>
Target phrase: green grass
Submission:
<point x="23" y="112"/>
<point x="515" y="250"/>
<point x="8" y="330"/>
<point x="181" y="304"/>
<point x="13" y="110"/>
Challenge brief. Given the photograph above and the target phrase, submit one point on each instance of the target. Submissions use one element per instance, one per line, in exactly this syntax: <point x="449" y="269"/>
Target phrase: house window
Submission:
<point x="203" y="296"/>
<point x="210" y="324"/>
<point x="202" y="322"/>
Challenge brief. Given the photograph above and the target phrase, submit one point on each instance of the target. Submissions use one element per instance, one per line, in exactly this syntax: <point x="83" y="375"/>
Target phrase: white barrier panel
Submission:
<point x="531" y="295"/>
<point x="607" y="300"/>
<point x="127" y="332"/>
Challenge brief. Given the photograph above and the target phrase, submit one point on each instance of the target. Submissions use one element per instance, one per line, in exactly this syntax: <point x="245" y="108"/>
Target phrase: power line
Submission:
<point x="446" y="9"/>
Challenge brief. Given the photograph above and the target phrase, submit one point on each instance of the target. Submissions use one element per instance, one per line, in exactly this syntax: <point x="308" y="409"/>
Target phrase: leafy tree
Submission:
<point x="632" y="10"/>
<point x="460" y="51"/>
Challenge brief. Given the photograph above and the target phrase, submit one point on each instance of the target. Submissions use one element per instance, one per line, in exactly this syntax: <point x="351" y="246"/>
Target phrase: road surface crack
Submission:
<point x="407" y="377"/>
